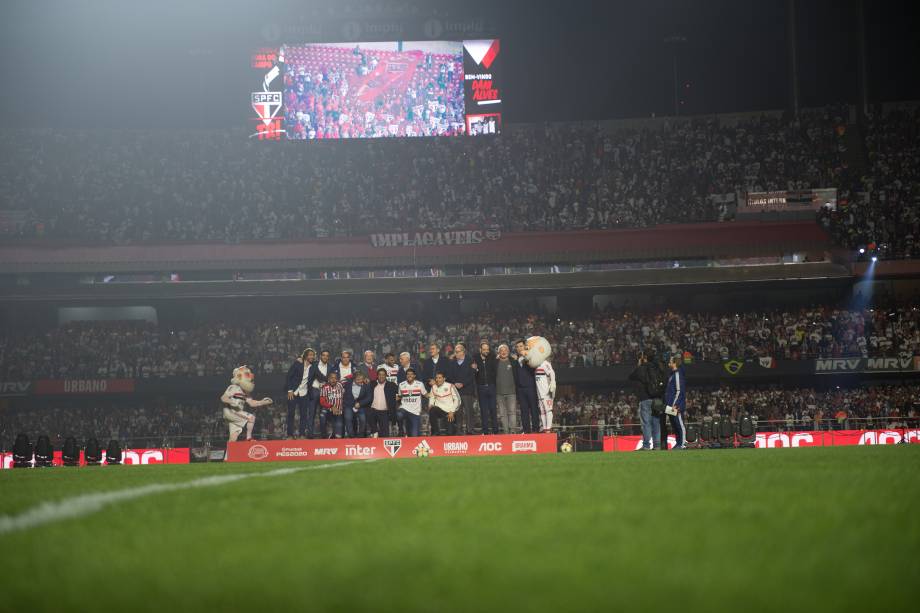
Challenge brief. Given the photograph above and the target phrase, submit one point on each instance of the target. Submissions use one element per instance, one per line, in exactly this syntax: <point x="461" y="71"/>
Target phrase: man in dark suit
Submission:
<point x="356" y="413"/>
<point x="297" y="384"/>
<point x="463" y="377"/>
<point x="486" y="371"/>
<point x="433" y="365"/>
<point x="405" y="363"/>
<point x="383" y="403"/>
<point x="525" y="382"/>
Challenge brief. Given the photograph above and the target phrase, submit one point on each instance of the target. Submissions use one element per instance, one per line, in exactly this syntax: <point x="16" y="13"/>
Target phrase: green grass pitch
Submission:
<point x="747" y="530"/>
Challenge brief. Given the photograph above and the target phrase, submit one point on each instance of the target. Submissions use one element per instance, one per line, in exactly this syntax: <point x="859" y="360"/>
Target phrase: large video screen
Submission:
<point x="377" y="90"/>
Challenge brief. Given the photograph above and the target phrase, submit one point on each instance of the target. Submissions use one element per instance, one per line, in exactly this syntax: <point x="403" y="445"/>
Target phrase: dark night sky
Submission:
<point x="92" y="63"/>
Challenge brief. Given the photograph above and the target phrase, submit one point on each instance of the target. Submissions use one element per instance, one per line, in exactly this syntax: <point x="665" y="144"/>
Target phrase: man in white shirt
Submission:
<point x="411" y="392"/>
<point x="298" y="383"/>
<point x="345" y="368"/>
<point x="443" y="402"/>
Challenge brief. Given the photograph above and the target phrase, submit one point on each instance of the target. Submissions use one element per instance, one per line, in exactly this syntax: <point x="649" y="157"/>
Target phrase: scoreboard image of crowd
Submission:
<point x="399" y="89"/>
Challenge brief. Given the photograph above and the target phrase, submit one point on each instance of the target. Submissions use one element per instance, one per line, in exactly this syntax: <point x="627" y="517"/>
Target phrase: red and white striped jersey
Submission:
<point x="546" y="380"/>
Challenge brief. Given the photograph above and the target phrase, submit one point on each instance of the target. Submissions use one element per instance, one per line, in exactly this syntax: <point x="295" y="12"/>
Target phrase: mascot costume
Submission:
<point x="538" y="355"/>
<point x="237" y="398"/>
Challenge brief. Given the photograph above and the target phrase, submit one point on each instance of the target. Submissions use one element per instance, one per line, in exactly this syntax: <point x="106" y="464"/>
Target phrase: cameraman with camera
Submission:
<point x="650" y="377"/>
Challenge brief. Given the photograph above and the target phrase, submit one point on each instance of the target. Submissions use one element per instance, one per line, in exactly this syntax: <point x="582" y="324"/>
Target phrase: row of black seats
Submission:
<point x="25" y="455"/>
<point x="720" y="433"/>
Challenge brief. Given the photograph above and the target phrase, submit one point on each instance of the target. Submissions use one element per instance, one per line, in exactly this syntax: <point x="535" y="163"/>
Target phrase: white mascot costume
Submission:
<point x="539" y="352"/>
<point x="237" y="398"/>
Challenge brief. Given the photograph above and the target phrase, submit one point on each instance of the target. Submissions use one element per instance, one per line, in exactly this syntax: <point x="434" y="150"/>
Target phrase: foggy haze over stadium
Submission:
<point x="459" y="306"/>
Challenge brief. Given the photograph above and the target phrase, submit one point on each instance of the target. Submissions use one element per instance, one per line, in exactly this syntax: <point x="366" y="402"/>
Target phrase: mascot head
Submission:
<point x="243" y="377"/>
<point x="538" y="350"/>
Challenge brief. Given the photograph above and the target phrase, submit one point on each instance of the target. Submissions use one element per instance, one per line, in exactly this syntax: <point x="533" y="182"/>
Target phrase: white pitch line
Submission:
<point x="86" y="504"/>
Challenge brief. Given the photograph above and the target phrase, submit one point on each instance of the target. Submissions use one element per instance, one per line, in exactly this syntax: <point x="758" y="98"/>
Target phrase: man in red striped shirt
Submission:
<point x="330" y="399"/>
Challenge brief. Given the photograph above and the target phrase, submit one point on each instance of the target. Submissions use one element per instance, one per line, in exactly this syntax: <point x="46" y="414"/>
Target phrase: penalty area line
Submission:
<point x="87" y="504"/>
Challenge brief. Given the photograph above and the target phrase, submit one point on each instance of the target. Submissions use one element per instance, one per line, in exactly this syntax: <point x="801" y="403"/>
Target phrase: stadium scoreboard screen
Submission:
<point x="377" y="90"/>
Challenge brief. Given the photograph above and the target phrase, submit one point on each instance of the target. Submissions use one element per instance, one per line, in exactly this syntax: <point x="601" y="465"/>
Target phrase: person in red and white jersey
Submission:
<point x="331" y="399"/>
<point x="443" y="402"/>
<point x="392" y="368"/>
<point x="411" y="392"/>
<point x="546" y="391"/>
<point x="236" y="399"/>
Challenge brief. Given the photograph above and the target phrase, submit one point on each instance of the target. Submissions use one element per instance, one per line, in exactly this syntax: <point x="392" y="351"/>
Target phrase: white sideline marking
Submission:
<point x="86" y="504"/>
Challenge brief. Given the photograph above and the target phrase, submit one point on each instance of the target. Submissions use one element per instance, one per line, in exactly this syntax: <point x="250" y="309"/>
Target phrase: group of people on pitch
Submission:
<point x="370" y="399"/>
<point x="662" y="391"/>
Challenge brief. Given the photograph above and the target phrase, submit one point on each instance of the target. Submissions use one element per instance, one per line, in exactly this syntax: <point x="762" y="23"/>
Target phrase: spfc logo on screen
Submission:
<point x="483" y="52"/>
<point x="266" y="105"/>
<point x="392" y="445"/>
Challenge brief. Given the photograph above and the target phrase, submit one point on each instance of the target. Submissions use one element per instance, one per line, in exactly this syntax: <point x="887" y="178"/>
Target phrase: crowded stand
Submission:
<point x="771" y="408"/>
<point x="884" y="218"/>
<point x="609" y="337"/>
<point x="129" y="186"/>
<point x="406" y="93"/>
<point x="147" y="425"/>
